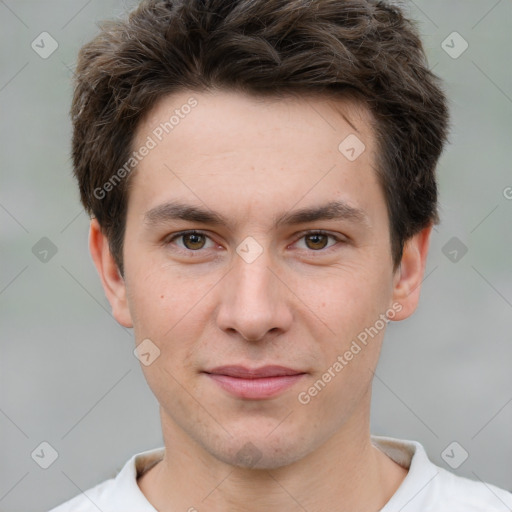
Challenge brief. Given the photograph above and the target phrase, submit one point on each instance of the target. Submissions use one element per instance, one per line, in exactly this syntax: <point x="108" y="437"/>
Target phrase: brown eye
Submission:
<point x="190" y="244"/>
<point x="193" y="241"/>
<point x="316" y="241"/>
<point x="319" y="241"/>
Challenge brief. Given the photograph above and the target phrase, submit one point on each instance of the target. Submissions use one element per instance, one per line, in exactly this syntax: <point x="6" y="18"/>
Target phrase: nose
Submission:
<point x="254" y="301"/>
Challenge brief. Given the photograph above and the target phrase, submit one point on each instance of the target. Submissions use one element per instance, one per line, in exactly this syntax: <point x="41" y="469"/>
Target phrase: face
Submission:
<point x="254" y="240"/>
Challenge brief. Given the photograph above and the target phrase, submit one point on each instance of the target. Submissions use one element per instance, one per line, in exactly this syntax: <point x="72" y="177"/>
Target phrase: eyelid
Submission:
<point x="180" y="234"/>
<point x="299" y="236"/>
<point x="339" y="239"/>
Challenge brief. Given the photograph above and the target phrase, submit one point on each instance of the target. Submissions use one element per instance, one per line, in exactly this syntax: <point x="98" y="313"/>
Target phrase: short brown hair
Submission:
<point x="361" y="49"/>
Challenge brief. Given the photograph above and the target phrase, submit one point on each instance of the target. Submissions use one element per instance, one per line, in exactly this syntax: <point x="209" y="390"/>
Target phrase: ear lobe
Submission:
<point x="408" y="277"/>
<point x="113" y="284"/>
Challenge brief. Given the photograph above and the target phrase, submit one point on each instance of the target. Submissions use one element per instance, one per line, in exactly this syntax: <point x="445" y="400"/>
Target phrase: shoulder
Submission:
<point x="119" y="493"/>
<point x="430" y="488"/>
<point x="95" y="498"/>
<point x="457" y="493"/>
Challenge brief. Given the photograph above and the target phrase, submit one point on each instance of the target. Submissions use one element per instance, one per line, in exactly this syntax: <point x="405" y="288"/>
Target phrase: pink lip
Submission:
<point x="255" y="384"/>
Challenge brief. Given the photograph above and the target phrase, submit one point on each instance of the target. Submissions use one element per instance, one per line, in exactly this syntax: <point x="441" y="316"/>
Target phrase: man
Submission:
<point x="261" y="180"/>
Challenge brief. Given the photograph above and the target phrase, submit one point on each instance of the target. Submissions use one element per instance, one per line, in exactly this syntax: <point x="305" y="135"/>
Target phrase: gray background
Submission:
<point x="67" y="372"/>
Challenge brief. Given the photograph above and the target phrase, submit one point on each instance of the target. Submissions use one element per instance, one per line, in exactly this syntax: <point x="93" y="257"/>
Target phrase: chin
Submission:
<point x="261" y="451"/>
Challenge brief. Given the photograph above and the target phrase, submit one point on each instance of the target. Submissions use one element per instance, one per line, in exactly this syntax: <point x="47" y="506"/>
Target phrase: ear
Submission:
<point x="113" y="283"/>
<point x="409" y="275"/>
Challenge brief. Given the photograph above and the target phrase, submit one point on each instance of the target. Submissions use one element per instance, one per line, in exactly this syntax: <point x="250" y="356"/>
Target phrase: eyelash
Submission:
<point x="304" y="234"/>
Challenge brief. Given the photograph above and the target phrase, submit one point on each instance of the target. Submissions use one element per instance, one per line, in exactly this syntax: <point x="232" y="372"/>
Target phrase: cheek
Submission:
<point x="348" y="299"/>
<point x="161" y="300"/>
<point x="351" y="307"/>
<point x="173" y="310"/>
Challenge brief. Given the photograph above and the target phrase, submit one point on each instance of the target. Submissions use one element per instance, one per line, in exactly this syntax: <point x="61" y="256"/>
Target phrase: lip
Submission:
<point x="257" y="383"/>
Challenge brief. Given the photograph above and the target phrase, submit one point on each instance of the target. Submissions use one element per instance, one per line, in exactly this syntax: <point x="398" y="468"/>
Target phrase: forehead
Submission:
<point x="257" y="146"/>
<point x="220" y="110"/>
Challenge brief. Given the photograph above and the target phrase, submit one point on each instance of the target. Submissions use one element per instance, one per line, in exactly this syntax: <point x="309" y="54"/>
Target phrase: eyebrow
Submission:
<point x="334" y="210"/>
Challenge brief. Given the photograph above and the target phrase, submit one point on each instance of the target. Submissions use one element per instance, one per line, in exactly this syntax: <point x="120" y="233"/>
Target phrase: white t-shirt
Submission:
<point x="426" y="488"/>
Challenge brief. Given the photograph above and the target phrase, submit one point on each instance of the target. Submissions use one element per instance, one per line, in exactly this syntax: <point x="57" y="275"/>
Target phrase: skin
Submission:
<point x="298" y="304"/>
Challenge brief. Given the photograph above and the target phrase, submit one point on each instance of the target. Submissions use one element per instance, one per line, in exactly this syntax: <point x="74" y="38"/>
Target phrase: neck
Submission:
<point x="346" y="470"/>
